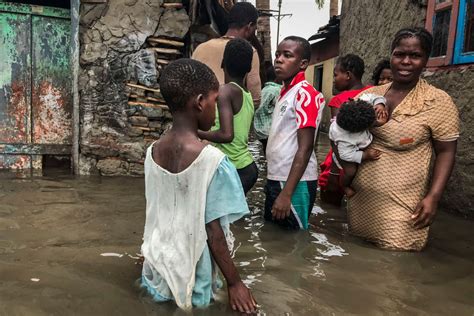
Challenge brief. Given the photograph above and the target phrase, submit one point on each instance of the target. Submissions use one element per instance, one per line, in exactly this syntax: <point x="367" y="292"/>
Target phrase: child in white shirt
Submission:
<point x="350" y="136"/>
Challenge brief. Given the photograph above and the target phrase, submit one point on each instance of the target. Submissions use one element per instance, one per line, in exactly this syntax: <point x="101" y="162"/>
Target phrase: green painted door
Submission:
<point x="35" y="84"/>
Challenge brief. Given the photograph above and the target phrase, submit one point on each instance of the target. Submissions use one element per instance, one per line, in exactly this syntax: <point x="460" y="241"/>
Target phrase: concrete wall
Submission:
<point x="113" y="52"/>
<point x="367" y="27"/>
<point x="327" y="89"/>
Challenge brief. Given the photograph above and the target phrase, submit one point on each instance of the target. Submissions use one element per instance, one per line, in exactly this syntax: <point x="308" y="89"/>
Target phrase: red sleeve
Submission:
<point x="335" y="102"/>
<point x="307" y="106"/>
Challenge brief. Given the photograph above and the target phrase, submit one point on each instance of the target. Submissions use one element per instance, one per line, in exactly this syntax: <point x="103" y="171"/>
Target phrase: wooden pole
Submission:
<point x="74" y="62"/>
<point x="278" y="23"/>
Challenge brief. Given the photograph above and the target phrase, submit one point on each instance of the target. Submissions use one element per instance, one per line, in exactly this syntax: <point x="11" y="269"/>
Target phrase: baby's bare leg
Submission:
<point x="350" y="170"/>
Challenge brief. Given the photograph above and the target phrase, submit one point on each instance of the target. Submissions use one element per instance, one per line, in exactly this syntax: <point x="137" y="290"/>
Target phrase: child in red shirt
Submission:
<point x="348" y="73"/>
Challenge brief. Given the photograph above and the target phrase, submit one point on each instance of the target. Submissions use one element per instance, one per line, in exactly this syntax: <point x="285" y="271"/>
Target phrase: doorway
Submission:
<point x="35" y="83"/>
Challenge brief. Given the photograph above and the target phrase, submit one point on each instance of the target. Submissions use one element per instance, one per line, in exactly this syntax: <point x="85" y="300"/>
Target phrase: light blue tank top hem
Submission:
<point x="225" y="186"/>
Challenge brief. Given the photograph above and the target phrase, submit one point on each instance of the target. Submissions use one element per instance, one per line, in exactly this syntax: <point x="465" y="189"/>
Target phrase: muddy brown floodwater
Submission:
<point x="53" y="230"/>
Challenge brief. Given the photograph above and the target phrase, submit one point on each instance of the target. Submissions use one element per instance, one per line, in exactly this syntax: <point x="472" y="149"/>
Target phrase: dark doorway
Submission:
<point x="48" y="3"/>
<point x="318" y="78"/>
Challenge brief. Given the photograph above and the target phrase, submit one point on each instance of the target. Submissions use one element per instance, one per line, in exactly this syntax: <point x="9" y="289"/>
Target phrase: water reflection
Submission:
<point x="55" y="228"/>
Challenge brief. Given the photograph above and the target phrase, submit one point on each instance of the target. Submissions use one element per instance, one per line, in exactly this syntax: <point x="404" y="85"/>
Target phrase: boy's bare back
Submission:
<point x="175" y="154"/>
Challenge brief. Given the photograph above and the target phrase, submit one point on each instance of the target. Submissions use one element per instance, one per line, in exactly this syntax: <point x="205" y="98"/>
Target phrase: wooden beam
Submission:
<point x="172" y="5"/>
<point x="170" y="51"/>
<point x="161" y="61"/>
<point x="157" y="40"/>
<point x="137" y="86"/>
<point x="148" y="105"/>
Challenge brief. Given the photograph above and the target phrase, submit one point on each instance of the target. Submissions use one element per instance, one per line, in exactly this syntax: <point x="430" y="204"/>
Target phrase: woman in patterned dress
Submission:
<point x="397" y="196"/>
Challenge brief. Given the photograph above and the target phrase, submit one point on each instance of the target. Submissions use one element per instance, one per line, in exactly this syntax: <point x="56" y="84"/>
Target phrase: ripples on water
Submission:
<point x="54" y="229"/>
<point x="326" y="271"/>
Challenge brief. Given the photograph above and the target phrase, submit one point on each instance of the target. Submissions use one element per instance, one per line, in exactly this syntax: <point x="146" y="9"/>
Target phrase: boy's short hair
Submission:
<point x="237" y="59"/>
<point x="304" y="45"/>
<point x="352" y="63"/>
<point x="241" y="14"/>
<point x="355" y="115"/>
<point x="184" y="79"/>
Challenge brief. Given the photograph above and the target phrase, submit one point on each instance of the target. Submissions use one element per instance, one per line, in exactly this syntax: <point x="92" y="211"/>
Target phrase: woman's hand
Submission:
<point x="240" y="298"/>
<point x="425" y="212"/>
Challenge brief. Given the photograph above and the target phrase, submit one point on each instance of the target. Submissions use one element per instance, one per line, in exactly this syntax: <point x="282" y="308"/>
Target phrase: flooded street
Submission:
<point x="53" y="230"/>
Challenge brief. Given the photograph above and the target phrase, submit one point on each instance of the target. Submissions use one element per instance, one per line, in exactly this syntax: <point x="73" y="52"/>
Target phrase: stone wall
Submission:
<point x="119" y="121"/>
<point x="459" y="83"/>
<point x="367" y="28"/>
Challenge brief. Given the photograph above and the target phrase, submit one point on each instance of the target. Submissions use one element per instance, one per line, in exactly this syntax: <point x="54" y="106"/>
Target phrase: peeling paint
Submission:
<point x="14" y="122"/>
<point x="51" y="100"/>
<point x="35" y="84"/>
<point x="32" y="9"/>
<point x="15" y="162"/>
<point x="52" y="124"/>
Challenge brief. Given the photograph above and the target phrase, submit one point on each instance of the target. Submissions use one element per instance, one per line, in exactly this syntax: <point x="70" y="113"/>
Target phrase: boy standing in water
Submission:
<point x="292" y="168"/>
<point x="188" y="186"/>
<point x="235" y="112"/>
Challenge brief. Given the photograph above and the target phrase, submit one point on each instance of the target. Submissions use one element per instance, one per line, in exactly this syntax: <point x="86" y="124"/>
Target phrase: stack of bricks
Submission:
<point x="152" y="116"/>
<point x="165" y="50"/>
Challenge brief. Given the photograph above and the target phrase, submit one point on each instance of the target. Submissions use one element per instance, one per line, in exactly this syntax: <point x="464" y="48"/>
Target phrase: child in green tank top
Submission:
<point x="235" y="111"/>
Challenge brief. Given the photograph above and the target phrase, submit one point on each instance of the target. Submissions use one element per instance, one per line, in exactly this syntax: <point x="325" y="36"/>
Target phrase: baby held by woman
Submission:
<point x="350" y="136"/>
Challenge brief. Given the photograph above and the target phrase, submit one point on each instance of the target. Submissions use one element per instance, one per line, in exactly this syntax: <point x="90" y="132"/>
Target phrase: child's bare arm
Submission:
<point x="371" y="154"/>
<point x="282" y="207"/>
<point x="240" y="297"/>
<point x="225" y="133"/>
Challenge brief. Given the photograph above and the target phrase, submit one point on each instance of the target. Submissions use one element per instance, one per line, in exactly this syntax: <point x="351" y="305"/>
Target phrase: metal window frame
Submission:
<point x="459" y="56"/>
<point x="432" y="9"/>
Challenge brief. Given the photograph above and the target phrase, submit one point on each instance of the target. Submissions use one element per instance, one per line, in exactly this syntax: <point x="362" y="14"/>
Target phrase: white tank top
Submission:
<point x="175" y="234"/>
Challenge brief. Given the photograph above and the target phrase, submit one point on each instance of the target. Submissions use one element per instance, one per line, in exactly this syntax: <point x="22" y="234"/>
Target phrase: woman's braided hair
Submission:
<point x="425" y="38"/>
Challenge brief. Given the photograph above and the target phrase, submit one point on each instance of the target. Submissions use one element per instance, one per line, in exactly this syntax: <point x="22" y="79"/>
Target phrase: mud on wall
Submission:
<point x="114" y="135"/>
<point x="371" y="40"/>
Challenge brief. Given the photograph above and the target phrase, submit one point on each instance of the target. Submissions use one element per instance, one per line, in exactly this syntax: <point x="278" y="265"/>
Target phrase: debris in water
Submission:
<point x="111" y="254"/>
<point x="132" y="257"/>
<point x="317" y="210"/>
<point x="35" y="279"/>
